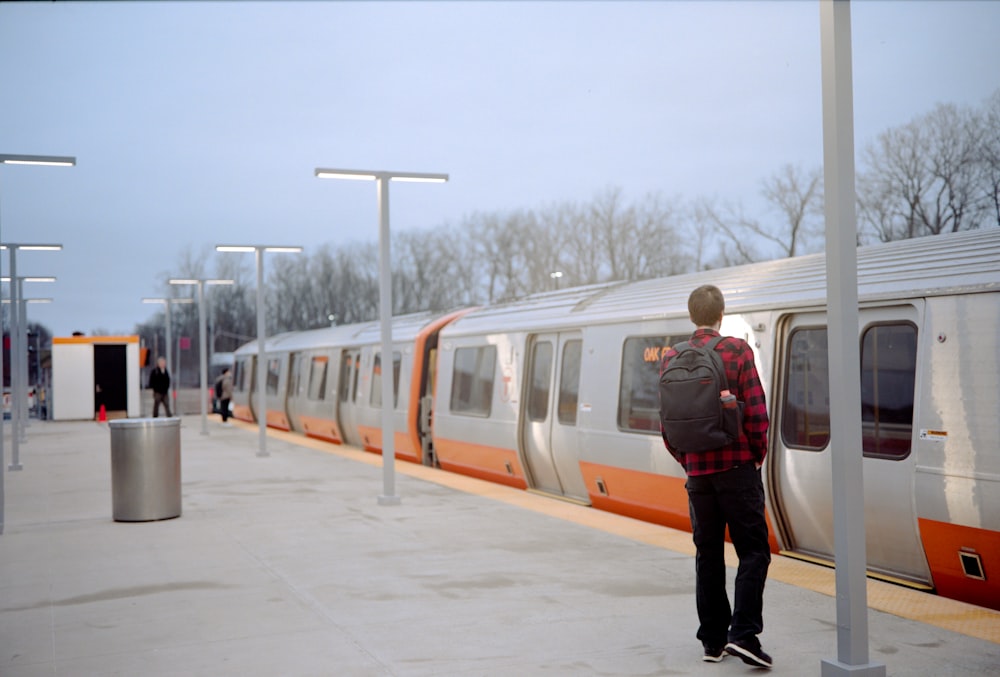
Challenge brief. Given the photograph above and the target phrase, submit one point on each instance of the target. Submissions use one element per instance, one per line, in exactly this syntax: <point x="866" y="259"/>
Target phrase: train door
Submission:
<point x="800" y="467"/>
<point x="249" y="376"/>
<point x="347" y="397"/>
<point x="549" y="437"/>
<point x="293" y="393"/>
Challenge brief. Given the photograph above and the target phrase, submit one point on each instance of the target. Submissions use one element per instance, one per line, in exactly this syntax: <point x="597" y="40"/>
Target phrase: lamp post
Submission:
<point x="19" y="361"/>
<point x="847" y="470"/>
<point x="18" y="345"/>
<point x="258" y="250"/>
<point x="50" y="160"/>
<point x="22" y="313"/>
<point x="168" y="302"/>
<point x="202" y="356"/>
<point x="19" y="436"/>
<point x="555" y="277"/>
<point x="382" y="179"/>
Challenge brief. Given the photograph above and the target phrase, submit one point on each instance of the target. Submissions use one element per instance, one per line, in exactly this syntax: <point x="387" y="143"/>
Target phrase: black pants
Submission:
<point x="224" y="409"/>
<point x="734" y="498"/>
<point x="157" y="399"/>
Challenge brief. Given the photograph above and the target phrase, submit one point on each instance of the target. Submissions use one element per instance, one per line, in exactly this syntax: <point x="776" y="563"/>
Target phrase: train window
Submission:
<point x="805" y="411"/>
<point x="317" y="378"/>
<point x="376" y="396"/>
<point x="888" y="374"/>
<point x="639" y="395"/>
<point x="541" y="378"/>
<point x="569" y="382"/>
<point x="273" y="370"/>
<point x="238" y="370"/>
<point x="472" y="380"/>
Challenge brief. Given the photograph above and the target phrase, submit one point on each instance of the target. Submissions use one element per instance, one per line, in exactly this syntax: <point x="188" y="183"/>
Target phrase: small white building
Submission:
<point x="88" y="371"/>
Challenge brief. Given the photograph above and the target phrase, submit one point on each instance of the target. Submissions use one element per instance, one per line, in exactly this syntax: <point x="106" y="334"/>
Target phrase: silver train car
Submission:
<point x="557" y="393"/>
<point x="326" y="383"/>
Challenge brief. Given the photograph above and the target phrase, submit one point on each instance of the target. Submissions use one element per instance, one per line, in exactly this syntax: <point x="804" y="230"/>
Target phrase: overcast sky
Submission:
<point x="196" y="124"/>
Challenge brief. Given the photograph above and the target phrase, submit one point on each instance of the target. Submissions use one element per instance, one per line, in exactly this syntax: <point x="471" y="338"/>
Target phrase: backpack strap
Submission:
<point x="716" y="340"/>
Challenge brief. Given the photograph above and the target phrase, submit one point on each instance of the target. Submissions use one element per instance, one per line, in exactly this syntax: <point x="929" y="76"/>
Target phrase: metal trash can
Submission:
<point x="145" y="469"/>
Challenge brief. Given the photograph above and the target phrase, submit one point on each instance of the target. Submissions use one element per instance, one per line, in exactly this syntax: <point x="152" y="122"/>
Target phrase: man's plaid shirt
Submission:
<point x="737" y="357"/>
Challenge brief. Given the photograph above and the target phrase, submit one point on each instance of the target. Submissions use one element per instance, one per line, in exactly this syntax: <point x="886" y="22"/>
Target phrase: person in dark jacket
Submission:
<point x="224" y="390"/>
<point x="159" y="383"/>
<point x="725" y="489"/>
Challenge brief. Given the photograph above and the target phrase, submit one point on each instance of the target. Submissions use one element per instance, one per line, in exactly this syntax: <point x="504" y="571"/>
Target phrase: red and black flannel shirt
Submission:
<point x="737" y="357"/>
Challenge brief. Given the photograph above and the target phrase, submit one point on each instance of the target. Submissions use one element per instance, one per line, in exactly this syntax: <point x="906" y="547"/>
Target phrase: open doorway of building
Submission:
<point x="110" y="380"/>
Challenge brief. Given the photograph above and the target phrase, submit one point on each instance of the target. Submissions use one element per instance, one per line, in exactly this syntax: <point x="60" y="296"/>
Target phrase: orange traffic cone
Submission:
<point x="102" y="415"/>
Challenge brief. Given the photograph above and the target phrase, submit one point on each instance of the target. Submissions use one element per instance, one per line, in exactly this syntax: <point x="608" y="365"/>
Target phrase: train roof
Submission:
<point x="964" y="262"/>
<point x="404" y="329"/>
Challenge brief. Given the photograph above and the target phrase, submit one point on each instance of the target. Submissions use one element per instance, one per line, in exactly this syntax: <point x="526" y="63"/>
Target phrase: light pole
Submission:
<point x="847" y="471"/>
<point x="202" y="356"/>
<point x="258" y="250"/>
<point x="19" y="361"/>
<point x="168" y="302"/>
<point x="50" y="160"/>
<point x="382" y="179"/>
<point x="22" y="302"/>
<point x="18" y="345"/>
<point x="555" y="277"/>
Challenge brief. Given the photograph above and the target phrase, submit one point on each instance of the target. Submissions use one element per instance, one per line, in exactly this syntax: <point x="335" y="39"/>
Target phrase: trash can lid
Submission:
<point x="169" y="421"/>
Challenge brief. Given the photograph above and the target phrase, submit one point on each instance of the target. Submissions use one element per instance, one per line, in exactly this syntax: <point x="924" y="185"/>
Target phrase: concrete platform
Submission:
<point x="287" y="565"/>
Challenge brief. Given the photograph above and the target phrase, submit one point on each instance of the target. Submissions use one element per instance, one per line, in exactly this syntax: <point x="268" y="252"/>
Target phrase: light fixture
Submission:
<point x="43" y="160"/>
<point x="368" y="175"/>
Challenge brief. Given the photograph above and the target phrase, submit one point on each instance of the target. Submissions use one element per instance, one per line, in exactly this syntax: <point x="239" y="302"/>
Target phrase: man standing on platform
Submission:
<point x="722" y="460"/>
<point x="224" y="393"/>
<point x="159" y="383"/>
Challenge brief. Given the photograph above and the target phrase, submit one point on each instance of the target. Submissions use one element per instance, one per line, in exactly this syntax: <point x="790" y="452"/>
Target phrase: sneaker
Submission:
<point x="751" y="654"/>
<point x="713" y="655"/>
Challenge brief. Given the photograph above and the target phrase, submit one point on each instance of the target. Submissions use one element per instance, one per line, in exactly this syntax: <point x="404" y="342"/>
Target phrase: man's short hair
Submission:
<point x="706" y="305"/>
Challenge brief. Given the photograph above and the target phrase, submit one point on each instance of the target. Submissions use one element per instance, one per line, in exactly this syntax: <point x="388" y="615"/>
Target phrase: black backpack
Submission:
<point x="218" y="389"/>
<point x="692" y="411"/>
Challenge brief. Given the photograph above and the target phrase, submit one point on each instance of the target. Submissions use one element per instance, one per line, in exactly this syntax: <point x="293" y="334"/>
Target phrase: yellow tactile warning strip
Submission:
<point x="922" y="607"/>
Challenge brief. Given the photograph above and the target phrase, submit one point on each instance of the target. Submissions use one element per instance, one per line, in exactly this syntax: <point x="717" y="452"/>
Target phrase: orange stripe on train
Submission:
<point x="946" y="545"/>
<point x="321" y="429"/>
<point x="242" y="412"/>
<point x="494" y="464"/>
<point x="650" y="497"/>
<point x="371" y="440"/>
<point x="277" y="419"/>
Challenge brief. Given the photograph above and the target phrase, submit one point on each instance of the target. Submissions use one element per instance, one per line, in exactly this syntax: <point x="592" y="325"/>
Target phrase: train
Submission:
<point x="557" y="393"/>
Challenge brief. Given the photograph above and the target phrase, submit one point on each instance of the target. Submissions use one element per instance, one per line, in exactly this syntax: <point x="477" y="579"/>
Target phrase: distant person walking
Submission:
<point x="723" y="481"/>
<point x="224" y="392"/>
<point x="159" y="383"/>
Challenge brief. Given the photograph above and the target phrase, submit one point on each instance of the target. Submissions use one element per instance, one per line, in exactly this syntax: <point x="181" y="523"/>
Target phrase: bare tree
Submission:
<point x="232" y="308"/>
<point x="609" y="220"/>
<point x="954" y="138"/>
<point x="797" y="196"/>
<point x="499" y="243"/>
<point x="427" y="271"/>
<point x="729" y="224"/>
<point x="892" y="186"/>
<point x="924" y="177"/>
<point x="657" y="248"/>
<point x="989" y="159"/>
<point x="581" y="257"/>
